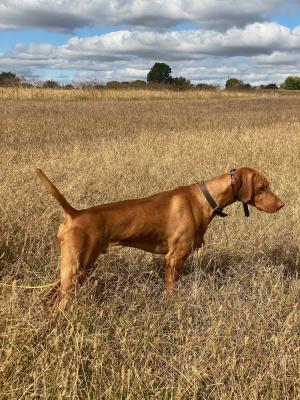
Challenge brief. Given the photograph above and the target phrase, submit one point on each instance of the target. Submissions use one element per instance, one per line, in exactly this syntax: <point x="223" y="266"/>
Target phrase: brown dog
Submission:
<point x="171" y="223"/>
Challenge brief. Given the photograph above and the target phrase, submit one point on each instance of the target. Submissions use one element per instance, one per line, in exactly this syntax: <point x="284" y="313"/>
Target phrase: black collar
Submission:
<point x="219" y="210"/>
<point x="212" y="203"/>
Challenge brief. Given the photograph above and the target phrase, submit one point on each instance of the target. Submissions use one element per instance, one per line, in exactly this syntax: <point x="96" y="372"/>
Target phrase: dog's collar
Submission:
<point x="231" y="172"/>
<point x="217" y="210"/>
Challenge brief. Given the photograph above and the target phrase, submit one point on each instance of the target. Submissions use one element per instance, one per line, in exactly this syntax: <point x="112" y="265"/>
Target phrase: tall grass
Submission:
<point x="232" y="329"/>
<point x="35" y="93"/>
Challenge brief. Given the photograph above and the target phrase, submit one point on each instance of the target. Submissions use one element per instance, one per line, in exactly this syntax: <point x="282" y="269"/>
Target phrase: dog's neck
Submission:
<point x="220" y="188"/>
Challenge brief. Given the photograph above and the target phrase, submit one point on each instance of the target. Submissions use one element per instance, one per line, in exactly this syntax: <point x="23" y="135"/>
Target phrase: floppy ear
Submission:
<point x="244" y="185"/>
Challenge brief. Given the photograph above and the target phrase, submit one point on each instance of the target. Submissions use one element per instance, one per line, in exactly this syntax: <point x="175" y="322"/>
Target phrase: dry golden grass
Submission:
<point x="34" y="93"/>
<point x="232" y="329"/>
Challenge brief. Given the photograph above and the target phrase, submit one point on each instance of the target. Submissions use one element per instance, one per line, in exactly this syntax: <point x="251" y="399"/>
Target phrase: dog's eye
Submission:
<point x="261" y="189"/>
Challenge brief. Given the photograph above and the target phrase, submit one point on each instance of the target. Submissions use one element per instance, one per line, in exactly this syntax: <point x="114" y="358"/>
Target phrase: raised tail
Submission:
<point x="56" y="193"/>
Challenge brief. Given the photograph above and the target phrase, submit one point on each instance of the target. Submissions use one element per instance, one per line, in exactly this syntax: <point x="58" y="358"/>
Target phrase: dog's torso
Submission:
<point x="148" y="223"/>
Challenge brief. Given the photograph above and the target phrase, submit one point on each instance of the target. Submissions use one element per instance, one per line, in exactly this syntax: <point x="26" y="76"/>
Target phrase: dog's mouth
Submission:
<point x="268" y="202"/>
<point x="271" y="209"/>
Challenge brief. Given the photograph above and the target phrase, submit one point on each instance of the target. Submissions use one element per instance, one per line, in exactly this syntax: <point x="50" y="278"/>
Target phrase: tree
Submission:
<point x="269" y="86"/>
<point x="51" y="84"/>
<point x="247" y="86"/>
<point x="206" y="86"/>
<point x="9" y="79"/>
<point x="159" y="73"/>
<point x="291" y="83"/>
<point x="27" y="85"/>
<point x="138" y="83"/>
<point x="234" y="84"/>
<point x="113" y="84"/>
<point x="181" y="82"/>
<point x="68" y="86"/>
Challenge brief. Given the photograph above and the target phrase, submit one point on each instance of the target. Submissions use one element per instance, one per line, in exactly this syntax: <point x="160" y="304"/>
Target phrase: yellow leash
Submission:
<point x="27" y="287"/>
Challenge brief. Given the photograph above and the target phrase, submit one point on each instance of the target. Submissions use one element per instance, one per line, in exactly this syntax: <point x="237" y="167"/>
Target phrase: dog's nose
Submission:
<point x="280" y="204"/>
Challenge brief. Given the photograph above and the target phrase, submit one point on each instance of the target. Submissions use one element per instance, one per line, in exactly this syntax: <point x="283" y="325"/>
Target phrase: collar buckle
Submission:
<point x="219" y="211"/>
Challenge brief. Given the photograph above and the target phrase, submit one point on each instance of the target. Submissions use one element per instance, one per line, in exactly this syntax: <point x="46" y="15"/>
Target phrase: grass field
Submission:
<point x="232" y="329"/>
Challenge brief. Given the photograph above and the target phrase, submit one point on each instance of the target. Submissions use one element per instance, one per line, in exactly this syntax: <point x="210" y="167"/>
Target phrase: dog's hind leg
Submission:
<point x="78" y="252"/>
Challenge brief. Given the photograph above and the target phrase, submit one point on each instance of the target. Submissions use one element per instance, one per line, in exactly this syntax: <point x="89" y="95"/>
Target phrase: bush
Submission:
<point x="181" y="83"/>
<point x="291" y="83"/>
<point x="9" y="79"/>
<point x="50" y="84"/>
<point x="68" y="86"/>
<point x="113" y="84"/>
<point x="236" y="84"/>
<point x="138" y="83"/>
<point x="269" y="86"/>
<point x="247" y="86"/>
<point x="206" y="86"/>
<point x="27" y="85"/>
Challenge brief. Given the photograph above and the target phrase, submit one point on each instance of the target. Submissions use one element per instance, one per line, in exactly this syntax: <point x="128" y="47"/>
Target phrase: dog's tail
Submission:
<point x="56" y="193"/>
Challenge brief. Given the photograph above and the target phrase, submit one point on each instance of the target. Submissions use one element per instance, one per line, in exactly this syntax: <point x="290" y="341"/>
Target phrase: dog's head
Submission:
<point x="251" y="187"/>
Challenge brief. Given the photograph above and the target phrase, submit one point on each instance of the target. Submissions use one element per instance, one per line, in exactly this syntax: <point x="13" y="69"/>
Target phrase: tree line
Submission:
<point x="159" y="76"/>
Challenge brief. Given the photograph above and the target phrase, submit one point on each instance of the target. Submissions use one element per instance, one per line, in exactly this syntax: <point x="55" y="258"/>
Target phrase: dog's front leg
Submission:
<point x="50" y="296"/>
<point x="174" y="268"/>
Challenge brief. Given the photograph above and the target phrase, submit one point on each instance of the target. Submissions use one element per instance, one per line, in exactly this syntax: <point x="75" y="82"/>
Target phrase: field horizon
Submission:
<point x="231" y="331"/>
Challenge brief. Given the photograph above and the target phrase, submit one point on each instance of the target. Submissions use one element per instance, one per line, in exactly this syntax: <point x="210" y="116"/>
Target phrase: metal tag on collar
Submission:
<point x="246" y="209"/>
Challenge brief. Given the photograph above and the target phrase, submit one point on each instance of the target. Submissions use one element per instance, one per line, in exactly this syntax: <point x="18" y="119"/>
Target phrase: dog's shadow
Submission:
<point x="124" y="275"/>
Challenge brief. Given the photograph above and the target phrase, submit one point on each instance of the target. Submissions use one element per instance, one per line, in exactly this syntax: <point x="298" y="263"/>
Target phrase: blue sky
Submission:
<point x="206" y="42"/>
<point x="10" y="37"/>
<point x="291" y="18"/>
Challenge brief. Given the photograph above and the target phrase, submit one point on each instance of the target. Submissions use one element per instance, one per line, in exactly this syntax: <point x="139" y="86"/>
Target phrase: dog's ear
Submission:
<point x="243" y="184"/>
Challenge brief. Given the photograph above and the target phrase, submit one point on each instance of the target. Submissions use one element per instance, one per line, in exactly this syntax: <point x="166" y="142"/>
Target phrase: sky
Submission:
<point x="203" y="40"/>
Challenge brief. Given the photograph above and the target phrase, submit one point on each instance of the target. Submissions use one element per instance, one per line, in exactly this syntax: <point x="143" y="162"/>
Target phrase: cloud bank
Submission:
<point x="66" y="15"/>
<point x="231" y="37"/>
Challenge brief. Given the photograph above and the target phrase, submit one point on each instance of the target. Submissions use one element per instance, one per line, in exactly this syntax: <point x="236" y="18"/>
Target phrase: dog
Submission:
<point x="171" y="223"/>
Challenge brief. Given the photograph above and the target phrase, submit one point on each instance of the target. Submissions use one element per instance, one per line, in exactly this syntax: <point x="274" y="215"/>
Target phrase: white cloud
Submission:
<point x="258" y="52"/>
<point x="287" y="58"/>
<point x="125" y="46"/>
<point x="66" y="15"/>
